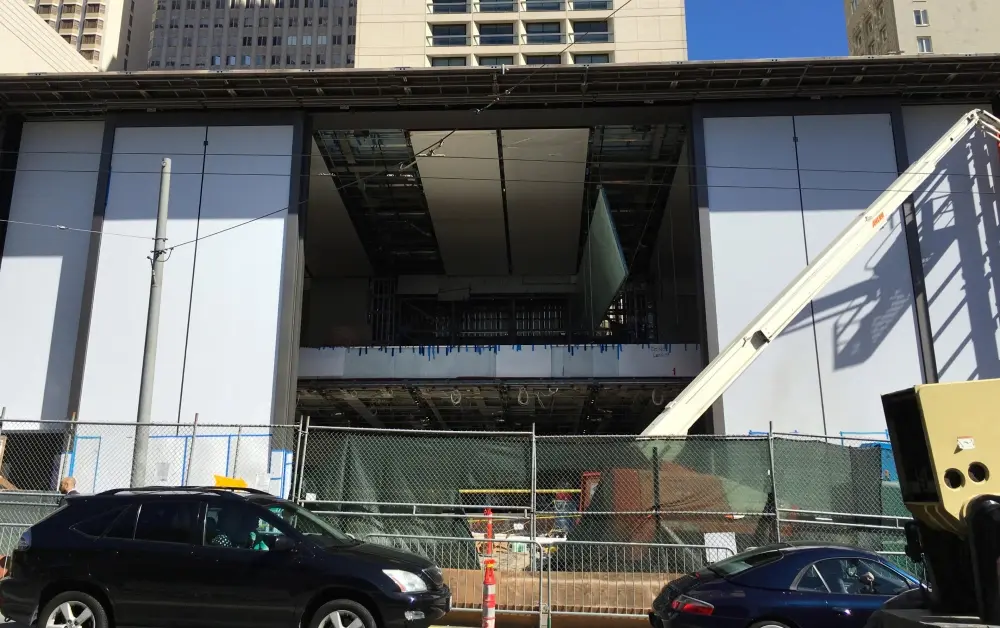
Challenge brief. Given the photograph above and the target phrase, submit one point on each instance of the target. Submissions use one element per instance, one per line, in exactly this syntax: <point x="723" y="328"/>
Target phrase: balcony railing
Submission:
<point x="592" y="38"/>
<point x="496" y="6"/>
<point x="449" y="6"/>
<point x="517" y="6"/>
<point x="544" y="38"/>
<point x="509" y="39"/>
<point x="448" y="40"/>
<point x="543" y="5"/>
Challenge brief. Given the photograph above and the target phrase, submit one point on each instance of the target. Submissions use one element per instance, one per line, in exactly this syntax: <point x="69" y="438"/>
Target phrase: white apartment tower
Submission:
<point x="519" y="32"/>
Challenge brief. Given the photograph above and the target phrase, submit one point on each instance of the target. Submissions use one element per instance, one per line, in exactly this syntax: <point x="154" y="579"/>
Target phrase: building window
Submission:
<point x="321" y="40"/>
<point x="307" y="21"/>
<point x="320" y="59"/>
<point x="924" y="45"/>
<point x="350" y="40"/>
<point x="246" y="60"/>
<point x="291" y="40"/>
<point x="276" y="40"/>
<point x="496" y="34"/>
<point x="543" y="33"/>
<point x="438" y="62"/>
<point x="542" y="60"/>
<point x="920" y="17"/>
<point x="591" y="5"/>
<point x="449" y="6"/>
<point x="307" y="40"/>
<point x="496" y="6"/>
<point x="543" y="5"/>
<point x="496" y="60"/>
<point x="591" y="59"/>
<point x="248" y="41"/>
<point x="262" y="22"/>
<point x="231" y="60"/>
<point x="591" y="32"/>
<point x="444" y="35"/>
<point x="262" y="40"/>
<point x="259" y="60"/>
<point x="216" y="60"/>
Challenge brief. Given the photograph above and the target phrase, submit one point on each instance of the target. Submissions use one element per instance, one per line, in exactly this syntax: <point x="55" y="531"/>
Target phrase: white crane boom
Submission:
<point x="679" y="415"/>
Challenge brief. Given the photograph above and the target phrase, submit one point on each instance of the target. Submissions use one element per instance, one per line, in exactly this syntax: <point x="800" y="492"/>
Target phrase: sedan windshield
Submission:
<point x="306" y="523"/>
<point x="745" y="561"/>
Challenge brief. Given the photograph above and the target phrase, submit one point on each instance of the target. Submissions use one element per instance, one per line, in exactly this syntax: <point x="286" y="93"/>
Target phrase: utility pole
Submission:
<point x="143" y="420"/>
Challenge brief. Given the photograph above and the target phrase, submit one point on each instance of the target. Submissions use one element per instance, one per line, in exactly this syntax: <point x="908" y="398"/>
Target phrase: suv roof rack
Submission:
<point x="221" y="490"/>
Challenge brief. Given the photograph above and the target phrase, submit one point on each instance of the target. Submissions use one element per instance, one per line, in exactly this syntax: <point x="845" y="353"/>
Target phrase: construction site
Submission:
<point x="447" y="304"/>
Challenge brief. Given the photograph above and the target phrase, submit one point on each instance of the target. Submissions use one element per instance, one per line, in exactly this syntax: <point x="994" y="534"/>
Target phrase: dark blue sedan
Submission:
<point x="788" y="585"/>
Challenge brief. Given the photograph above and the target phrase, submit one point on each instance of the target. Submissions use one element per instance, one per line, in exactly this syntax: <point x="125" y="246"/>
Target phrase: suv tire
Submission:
<point x="349" y="610"/>
<point x="78" y="604"/>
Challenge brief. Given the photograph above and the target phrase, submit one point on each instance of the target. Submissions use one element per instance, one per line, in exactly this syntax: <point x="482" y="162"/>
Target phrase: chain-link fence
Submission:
<point x="729" y="492"/>
<point x="36" y="455"/>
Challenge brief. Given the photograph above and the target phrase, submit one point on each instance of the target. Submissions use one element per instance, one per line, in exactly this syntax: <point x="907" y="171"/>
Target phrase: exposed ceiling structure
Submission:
<point x="580" y="407"/>
<point x="486" y="202"/>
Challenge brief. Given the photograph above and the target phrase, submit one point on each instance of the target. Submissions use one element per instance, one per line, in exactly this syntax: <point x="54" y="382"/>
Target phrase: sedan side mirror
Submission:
<point x="284" y="544"/>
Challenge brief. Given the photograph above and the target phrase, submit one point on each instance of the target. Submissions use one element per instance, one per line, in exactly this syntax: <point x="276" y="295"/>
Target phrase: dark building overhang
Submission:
<point x="926" y="78"/>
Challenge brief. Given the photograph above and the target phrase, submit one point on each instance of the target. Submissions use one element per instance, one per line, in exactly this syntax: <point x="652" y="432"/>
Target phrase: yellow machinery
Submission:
<point x="946" y="442"/>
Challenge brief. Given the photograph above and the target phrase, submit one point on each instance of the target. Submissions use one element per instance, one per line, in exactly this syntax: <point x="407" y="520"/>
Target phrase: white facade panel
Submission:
<point x="217" y="346"/>
<point x="42" y="270"/>
<point x="236" y="297"/>
<point x="864" y="320"/>
<point x="515" y="361"/>
<point x="779" y="190"/>
<point x="110" y="391"/>
<point x="959" y="224"/>
<point x="754" y="225"/>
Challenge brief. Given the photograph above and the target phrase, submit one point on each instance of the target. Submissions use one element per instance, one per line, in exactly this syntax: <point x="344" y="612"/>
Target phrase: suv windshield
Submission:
<point x="742" y="562"/>
<point x="306" y="523"/>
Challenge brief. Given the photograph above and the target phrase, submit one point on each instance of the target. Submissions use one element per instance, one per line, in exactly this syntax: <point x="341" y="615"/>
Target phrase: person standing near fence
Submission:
<point x="67" y="486"/>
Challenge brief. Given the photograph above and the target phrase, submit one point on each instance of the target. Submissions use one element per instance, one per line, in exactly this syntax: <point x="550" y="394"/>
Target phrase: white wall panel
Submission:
<point x="517" y="361"/>
<point x="544" y="171"/>
<point x="42" y="271"/>
<point x="462" y="186"/>
<point x="864" y="319"/>
<point x="236" y="296"/>
<point x="110" y="389"/>
<point x="957" y="217"/>
<point x="755" y="232"/>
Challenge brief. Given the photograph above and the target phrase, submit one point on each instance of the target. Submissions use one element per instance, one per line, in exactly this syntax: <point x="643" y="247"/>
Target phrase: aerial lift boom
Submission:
<point x="679" y="415"/>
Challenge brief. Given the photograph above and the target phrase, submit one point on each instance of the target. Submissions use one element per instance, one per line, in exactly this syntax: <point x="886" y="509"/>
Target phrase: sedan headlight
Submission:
<point x="406" y="581"/>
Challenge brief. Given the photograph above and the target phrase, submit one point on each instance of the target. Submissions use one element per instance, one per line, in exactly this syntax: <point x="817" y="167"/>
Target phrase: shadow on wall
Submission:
<point x="948" y="217"/>
<point x="865" y="313"/>
<point x="959" y="231"/>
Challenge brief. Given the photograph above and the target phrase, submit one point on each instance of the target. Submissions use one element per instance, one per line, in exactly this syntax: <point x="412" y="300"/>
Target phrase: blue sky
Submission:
<point x="753" y="29"/>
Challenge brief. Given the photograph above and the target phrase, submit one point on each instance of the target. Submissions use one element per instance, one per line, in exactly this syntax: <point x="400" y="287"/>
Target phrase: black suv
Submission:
<point x="158" y="557"/>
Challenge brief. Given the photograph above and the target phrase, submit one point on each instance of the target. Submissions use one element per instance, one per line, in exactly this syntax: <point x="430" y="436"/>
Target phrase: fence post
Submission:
<point x="301" y="462"/>
<point x="774" y="480"/>
<point x="534" y="483"/>
<point x="190" y="460"/>
<point x="68" y="448"/>
<point x="236" y="453"/>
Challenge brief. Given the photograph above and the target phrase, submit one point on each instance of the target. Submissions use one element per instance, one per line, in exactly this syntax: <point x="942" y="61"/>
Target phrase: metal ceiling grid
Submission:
<point x="959" y="78"/>
<point x="376" y="177"/>
<point x="556" y="407"/>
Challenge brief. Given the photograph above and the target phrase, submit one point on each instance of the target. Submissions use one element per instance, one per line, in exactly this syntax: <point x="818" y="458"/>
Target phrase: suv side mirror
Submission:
<point x="284" y="543"/>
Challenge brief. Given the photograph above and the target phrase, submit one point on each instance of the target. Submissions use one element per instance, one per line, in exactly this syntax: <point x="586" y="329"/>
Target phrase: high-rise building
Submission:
<point x="518" y="32"/>
<point x="110" y="34"/>
<point x="878" y="27"/>
<point x="30" y="46"/>
<point x="237" y="34"/>
<point x="415" y="33"/>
